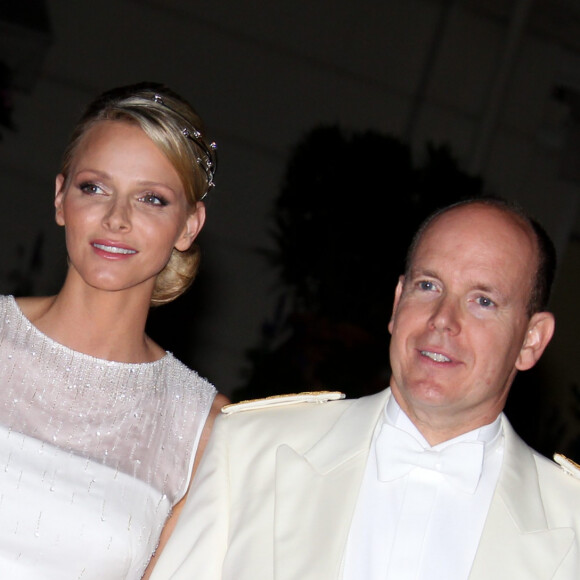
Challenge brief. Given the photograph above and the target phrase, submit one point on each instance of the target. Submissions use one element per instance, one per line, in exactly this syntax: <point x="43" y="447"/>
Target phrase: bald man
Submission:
<point x="425" y="480"/>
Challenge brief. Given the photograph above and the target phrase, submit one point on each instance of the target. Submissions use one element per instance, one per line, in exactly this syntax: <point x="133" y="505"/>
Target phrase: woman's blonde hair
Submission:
<point x="179" y="132"/>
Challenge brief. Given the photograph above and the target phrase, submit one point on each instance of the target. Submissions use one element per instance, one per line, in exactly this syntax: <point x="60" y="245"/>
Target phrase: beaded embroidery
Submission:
<point x="89" y="447"/>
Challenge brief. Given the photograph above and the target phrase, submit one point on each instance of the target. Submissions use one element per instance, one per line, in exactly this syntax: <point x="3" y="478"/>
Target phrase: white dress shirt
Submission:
<point x="420" y="526"/>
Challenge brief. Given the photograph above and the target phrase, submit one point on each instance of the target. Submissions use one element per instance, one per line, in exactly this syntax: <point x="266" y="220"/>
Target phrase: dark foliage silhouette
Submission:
<point x="348" y="207"/>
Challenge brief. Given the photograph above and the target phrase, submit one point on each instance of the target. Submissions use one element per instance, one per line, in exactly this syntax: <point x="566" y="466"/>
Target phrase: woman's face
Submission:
<point x="124" y="209"/>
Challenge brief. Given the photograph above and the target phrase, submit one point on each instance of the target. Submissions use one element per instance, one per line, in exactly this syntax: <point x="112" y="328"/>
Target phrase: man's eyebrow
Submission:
<point x="493" y="290"/>
<point x="414" y="272"/>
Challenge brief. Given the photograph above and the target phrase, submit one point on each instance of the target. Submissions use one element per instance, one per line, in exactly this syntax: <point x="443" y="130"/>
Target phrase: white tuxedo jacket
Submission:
<point x="275" y="494"/>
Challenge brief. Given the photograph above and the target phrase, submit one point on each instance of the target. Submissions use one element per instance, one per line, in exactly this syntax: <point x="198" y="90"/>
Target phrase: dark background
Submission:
<point x="338" y="120"/>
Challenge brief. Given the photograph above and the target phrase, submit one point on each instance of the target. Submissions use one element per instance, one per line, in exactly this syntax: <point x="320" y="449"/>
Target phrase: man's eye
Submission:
<point x="485" y="302"/>
<point x="153" y="199"/>
<point x="426" y="285"/>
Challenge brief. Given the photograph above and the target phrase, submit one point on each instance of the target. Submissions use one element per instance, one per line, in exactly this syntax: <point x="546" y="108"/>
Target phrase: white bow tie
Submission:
<point x="398" y="453"/>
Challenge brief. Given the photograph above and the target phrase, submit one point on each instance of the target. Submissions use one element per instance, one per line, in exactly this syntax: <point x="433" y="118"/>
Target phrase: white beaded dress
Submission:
<point x="93" y="455"/>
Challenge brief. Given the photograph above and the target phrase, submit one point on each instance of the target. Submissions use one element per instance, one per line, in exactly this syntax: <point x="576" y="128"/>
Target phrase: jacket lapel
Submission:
<point x="316" y="494"/>
<point x="516" y="542"/>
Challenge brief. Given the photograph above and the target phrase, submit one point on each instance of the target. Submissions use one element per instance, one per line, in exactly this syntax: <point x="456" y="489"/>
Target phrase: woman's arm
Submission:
<point x="219" y="401"/>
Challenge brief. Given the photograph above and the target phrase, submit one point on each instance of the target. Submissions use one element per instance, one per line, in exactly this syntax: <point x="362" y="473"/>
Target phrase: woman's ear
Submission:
<point x="193" y="226"/>
<point x="538" y="335"/>
<point x="58" y="199"/>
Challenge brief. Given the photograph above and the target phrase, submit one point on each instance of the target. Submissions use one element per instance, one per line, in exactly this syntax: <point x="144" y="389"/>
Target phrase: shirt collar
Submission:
<point x="395" y="416"/>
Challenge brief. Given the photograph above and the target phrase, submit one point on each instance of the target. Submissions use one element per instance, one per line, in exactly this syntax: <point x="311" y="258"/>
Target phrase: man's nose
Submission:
<point x="446" y="315"/>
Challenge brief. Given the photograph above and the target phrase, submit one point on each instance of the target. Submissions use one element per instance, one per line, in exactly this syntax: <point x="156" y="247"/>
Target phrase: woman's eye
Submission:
<point x="485" y="302"/>
<point x="88" y="187"/>
<point x="153" y="199"/>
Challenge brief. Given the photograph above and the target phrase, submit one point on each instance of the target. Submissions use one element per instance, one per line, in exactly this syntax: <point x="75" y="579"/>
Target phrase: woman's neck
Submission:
<point x="108" y="325"/>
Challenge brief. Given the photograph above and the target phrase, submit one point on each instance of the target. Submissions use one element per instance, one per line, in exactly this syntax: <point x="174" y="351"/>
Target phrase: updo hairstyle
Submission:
<point x="179" y="132"/>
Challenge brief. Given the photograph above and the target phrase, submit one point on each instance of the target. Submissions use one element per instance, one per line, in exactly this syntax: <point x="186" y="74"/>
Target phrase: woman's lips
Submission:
<point x="104" y="246"/>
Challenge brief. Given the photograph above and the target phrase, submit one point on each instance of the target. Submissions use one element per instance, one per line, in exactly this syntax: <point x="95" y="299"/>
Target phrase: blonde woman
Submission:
<point x="100" y="427"/>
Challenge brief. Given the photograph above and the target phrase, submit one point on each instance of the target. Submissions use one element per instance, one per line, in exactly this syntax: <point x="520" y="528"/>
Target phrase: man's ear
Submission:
<point x="539" y="333"/>
<point x="58" y="198"/>
<point x="193" y="226"/>
<point x="398" y="292"/>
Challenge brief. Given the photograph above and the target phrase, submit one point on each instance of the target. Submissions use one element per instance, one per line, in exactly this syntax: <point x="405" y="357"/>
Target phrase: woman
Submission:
<point x="100" y="428"/>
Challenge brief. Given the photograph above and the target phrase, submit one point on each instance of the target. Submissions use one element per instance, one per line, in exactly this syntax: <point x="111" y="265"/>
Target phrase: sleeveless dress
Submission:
<point x="93" y="455"/>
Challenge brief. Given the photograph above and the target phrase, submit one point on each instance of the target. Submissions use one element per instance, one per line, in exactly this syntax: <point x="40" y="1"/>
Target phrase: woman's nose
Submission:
<point x="118" y="216"/>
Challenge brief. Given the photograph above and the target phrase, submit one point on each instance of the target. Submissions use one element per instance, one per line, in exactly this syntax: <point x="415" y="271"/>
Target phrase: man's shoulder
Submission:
<point x="253" y="429"/>
<point x="560" y="468"/>
<point x="568" y="466"/>
<point x="297" y="418"/>
<point x="294" y="400"/>
<point x="559" y="481"/>
<point x="283" y="413"/>
<point x="307" y="406"/>
<point x="552" y="472"/>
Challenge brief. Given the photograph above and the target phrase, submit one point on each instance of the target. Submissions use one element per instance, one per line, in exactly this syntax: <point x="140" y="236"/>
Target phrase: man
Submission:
<point x="426" y="480"/>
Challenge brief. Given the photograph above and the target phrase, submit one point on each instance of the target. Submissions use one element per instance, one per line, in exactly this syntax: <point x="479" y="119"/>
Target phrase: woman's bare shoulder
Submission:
<point x="34" y="306"/>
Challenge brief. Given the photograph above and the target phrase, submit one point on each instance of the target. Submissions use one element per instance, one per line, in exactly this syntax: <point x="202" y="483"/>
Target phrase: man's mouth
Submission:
<point x="435" y="356"/>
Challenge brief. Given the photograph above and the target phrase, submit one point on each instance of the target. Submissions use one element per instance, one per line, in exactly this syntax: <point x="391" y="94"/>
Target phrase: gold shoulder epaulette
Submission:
<point x="277" y="400"/>
<point x="569" y="466"/>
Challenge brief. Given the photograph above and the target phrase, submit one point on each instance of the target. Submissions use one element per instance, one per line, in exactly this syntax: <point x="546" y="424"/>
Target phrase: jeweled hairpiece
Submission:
<point x="208" y="161"/>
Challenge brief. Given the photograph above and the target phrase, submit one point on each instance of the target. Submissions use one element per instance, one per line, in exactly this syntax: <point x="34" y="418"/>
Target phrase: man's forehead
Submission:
<point x="478" y="222"/>
<point x="485" y="246"/>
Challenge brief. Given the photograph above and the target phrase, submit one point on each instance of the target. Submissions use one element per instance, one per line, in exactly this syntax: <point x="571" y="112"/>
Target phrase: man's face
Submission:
<point x="460" y="327"/>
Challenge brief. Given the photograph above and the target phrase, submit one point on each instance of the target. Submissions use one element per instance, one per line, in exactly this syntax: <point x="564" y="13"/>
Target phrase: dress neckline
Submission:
<point x="55" y="345"/>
